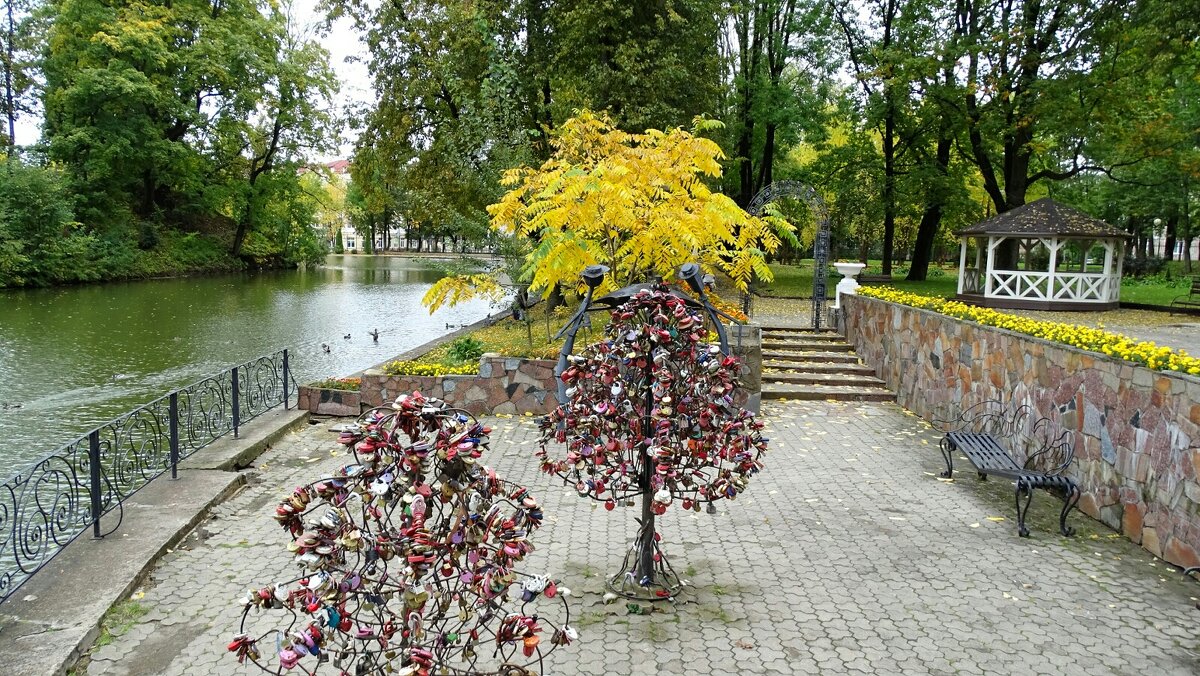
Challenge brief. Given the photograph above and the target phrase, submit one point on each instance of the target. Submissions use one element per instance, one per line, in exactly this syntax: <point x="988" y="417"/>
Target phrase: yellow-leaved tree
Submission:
<point x="637" y="203"/>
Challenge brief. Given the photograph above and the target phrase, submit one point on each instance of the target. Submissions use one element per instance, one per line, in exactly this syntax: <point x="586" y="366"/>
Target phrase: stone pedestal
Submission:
<point x="745" y="341"/>
<point x="847" y="284"/>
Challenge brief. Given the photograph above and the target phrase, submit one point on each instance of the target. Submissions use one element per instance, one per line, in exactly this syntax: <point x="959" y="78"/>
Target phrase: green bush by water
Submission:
<point x="464" y="349"/>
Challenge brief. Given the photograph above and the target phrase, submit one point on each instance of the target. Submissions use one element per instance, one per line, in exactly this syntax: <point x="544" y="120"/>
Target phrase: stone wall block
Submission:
<point x="1181" y="553"/>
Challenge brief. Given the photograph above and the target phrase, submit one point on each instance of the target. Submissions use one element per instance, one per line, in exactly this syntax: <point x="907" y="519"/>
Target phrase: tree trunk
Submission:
<point x="931" y="219"/>
<point x="1171" y="237"/>
<point x="745" y="142"/>
<point x="889" y="184"/>
<point x="767" y="163"/>
<point x="8" y="87"/>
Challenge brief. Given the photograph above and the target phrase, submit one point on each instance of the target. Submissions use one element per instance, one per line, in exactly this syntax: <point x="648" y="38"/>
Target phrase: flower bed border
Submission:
<point x="1145" y="353"/>
<point x="505" y="385"/>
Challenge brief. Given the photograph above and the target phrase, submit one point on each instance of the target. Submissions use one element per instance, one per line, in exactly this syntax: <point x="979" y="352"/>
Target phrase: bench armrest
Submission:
<point x="1054" y="449"/>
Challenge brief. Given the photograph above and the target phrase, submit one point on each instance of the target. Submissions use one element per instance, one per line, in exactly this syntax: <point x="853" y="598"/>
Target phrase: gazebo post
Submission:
<point x="991" y="259"/>
<point x="979" y="246"/>
<point x="1053" y="247"/>
<point x="1112" y="250"/>
<point x="962" y="263"/>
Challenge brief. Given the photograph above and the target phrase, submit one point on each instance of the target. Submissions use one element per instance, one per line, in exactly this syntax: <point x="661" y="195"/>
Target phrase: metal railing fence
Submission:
<point x="61" y="496"/>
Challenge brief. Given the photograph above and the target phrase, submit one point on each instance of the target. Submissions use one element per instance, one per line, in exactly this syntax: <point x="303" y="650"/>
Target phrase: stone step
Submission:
<point x="816" y="367"/>
<point x="823" y="392"/>
<point x="806" y="346"/>
<point x="822" y="378"/>
<point x="801" y="329"/>
<point x="811" y="355"/>
<point x="804" y="335"/>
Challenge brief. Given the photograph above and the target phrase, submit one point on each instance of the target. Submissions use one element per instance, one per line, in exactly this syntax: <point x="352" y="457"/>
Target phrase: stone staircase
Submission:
<point x="800" y="363"/>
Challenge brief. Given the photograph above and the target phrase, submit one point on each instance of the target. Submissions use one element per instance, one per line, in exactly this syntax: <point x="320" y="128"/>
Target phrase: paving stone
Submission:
<point x="825" y="565"/>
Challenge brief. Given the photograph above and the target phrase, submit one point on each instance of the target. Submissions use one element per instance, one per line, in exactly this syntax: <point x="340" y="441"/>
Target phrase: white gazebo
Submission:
<point x="1042" y="256"/>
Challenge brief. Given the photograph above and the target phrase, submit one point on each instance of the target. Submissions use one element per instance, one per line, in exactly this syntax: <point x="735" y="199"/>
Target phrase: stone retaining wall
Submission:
<point x="328" y="402"/>
<point x="1136" y="429"/>
<point x="504" y="385"/>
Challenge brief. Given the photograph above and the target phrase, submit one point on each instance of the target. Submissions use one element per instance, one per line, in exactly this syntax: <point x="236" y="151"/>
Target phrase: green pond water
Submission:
<point x="74" y="357"/>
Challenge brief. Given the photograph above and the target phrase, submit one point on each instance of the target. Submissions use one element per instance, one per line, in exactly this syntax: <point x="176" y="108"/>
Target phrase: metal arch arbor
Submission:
<point x="815" y="202"/>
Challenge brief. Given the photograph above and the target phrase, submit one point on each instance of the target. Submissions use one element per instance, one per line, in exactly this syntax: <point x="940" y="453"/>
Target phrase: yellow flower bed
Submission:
<point x="416" y="368"/>
<point x="1083" y="337"/>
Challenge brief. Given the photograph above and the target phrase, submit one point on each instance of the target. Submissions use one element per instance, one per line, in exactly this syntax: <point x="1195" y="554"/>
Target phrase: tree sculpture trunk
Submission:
<point x="648" y="413"/>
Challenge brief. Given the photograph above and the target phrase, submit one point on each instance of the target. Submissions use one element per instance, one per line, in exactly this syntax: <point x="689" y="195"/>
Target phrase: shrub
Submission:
<point x="465" y="349"/>
<point x="1143" y="267"/>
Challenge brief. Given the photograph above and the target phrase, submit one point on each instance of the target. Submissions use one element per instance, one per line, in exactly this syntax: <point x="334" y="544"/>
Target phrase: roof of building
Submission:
<point x="336" y="167"/>
<point x="1044" y="217"/>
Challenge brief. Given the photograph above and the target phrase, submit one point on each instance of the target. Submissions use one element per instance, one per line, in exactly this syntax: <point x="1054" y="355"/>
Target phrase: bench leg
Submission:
<point x="1071" y="500"/>
<point x="947" y="449"/>
<point x="1022" y="530"/>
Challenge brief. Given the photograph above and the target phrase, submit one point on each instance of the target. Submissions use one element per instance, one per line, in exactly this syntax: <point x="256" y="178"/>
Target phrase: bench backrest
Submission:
<point x="1038" y="443"/>
<point x="993" y="417"/>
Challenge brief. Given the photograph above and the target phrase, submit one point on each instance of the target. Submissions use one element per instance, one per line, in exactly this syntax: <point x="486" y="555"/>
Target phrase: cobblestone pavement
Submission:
<point x="846" y="555"/>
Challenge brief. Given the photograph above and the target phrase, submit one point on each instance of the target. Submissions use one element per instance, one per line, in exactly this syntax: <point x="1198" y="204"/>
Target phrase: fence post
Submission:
<point x="237" y="411"/>
<point x="174" y="417"/>
<point x="94" y="467"/>
<point x="286" y="380"/>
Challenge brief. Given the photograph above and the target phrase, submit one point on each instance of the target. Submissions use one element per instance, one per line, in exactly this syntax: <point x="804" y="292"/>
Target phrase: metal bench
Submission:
<point x="991" y="434"/>
<point x="1190" y="299"/>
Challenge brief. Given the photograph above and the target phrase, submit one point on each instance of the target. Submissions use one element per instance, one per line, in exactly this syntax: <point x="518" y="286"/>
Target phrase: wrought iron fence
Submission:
<point x="45" y="507"/>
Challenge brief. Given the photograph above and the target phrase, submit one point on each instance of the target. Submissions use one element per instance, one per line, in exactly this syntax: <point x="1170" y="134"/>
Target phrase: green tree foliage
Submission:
<point x="176" y="132"/>
<point x="33" y="209"/>
<point x="1040" y="77"/>
<point x="470" y="89"/>
<point x="19" y="43"/>
<point x="648" y="64"/>
<point x="776" y="64"/>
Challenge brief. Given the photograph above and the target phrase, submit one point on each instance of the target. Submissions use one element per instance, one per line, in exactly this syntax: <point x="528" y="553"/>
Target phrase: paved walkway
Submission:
<point x="846" y="555"/>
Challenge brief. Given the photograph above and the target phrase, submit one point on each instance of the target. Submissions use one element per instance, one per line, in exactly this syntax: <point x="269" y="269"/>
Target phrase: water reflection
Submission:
<point x="76" y="356"/>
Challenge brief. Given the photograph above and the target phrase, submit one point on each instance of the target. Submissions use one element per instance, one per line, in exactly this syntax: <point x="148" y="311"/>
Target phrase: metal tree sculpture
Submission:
<point x="649" y="412"/>
<point x="408" y="559"/>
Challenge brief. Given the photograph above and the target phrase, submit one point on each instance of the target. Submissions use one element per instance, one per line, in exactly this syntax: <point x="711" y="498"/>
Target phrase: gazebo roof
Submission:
<point x="1043" y="217"/>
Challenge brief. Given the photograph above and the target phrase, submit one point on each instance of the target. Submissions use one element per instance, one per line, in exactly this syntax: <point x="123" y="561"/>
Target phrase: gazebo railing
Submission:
<point x="972" y="281"/>
<point x="1032" y="285"/>
<point x="1085" y="287"/>
<point x="1019" y="284"/>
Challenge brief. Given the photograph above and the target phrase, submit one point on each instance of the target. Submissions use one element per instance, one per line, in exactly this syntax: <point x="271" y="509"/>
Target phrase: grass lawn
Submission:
<point x="1135" y="291"/>
<point x="510" y="337"/>
<point x="797" y="281"/>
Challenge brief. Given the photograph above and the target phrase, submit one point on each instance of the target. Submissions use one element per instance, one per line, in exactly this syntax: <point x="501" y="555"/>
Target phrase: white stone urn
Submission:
<point x="847" y="284"/>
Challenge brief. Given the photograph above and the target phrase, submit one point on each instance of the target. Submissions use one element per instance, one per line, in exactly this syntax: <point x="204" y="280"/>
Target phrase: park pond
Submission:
<point x="74" y="357"/>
